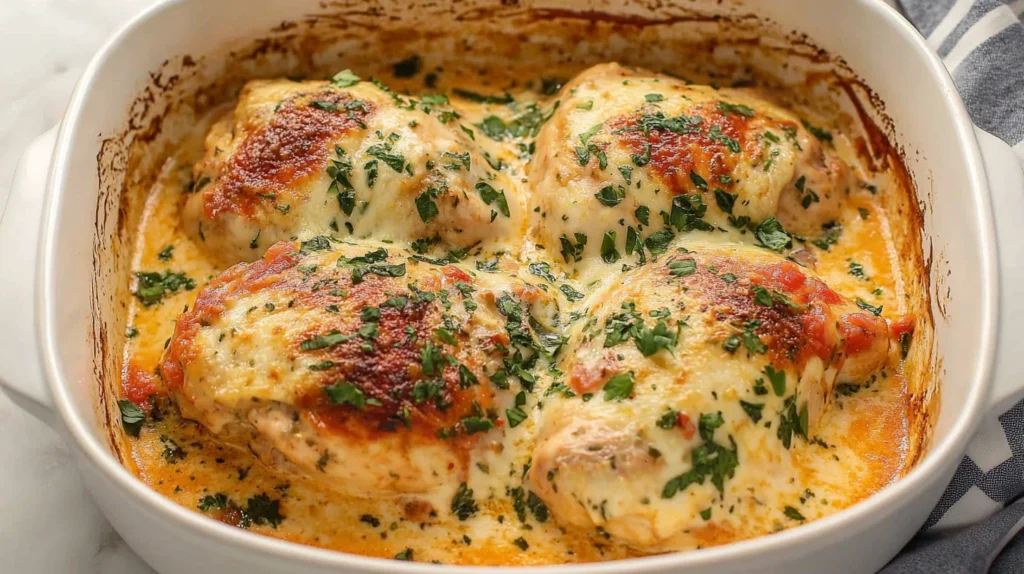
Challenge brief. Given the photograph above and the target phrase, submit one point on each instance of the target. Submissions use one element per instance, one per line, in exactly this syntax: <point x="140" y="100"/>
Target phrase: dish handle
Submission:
<point x="21" y="375"/>
<point x="1006" y="185"/>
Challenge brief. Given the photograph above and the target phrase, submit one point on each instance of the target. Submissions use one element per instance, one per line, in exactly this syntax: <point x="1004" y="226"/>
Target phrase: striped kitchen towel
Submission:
<point x="982" y="44"/>
<point x="976" y="527"/>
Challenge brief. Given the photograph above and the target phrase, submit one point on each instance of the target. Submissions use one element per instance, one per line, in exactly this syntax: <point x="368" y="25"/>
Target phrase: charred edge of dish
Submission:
<point x="111" y="160"/>
<point x="143" y="124"/>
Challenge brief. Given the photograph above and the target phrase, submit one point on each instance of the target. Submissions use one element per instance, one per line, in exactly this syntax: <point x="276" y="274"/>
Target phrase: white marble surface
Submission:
<point x="50" y="525"/>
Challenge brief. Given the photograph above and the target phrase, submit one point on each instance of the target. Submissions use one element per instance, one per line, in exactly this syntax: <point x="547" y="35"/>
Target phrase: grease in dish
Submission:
<point x="506" y="322"/>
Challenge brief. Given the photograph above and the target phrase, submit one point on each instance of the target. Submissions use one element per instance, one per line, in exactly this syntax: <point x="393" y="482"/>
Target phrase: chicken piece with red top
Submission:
<point x="625" y="142"/>
<point x="691" y="388"/>
<point x="359" y="366"/>
<point x="293" y="160"/>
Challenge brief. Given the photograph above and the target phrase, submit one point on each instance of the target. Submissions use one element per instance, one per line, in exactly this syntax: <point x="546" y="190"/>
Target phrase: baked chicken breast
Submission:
<point x="692" y="382"/>
<point x="295" y="160"/>
<point x="631" y="149"/>
<point x="375" y="371"/>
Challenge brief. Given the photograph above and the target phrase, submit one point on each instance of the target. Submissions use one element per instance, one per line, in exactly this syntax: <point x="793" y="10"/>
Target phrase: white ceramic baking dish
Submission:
<point x="58" y="354"/>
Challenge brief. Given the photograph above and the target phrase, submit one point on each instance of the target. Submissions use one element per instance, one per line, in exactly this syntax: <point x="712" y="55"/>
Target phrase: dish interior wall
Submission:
<point x="141" y="102"/>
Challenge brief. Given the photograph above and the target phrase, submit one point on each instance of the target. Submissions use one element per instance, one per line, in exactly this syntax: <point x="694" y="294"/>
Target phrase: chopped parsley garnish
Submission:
<point x="857" y="270"/>
<point x="446" y="336"/>
<point x="709" y="460"/>
<point x="792" y="421"/>
<point x="698" y="181"/>
<point x="434" y="100"/>
<point x="213" y="502"/>
<point x="398" y="302"/>
<point x="132" y="417"/>
<point x="732" y="343"/>
<point x="573" y="251"/>
<point x="725" y="200"/>
<point x="643" y="214"/>
<point x="340" y="172"/>
<point x="688" y="212"/>
<point x="627" y="175"/>
<point x="682" y="124"/>
<point x="738" y="109"/>
<point x="318" y="243"/>
<point x="876" y="311"/>
<point x="490" y="195"/>
<point x="345" y="394"/>
<point x="716" y="134"/>
<point x="405" y="555"/>
<point x="634" y="244"/>
<point x="611" y="195"/>
<point x="658" y="241"/>
<point x="751" y="340"/>
<point x="426" y="207"/>
<point x="323" y="341"/>
<point x="793" y="513"/>
<point x="591" y="132"/>
<point x="834" y="230"/>
<point x="473" y="425"/>
<point x="345" y="79"/>
<point x="463" y="504"/>
<point x="608" y="251"/>
<point x="384" y="152"/>
<point x="777" y="379"/>
<point x="483" y="98"/>
<point x="261" y="509"/>
<point x="466" y="377"/>
<point x="542" y="270"/>
<point x="166" y="253"/>
<point x="682" y="267"/>
<point x="669" y="419"/>
<point x="650" y="341"/>
<point x="762" y="296"/>
<point x="619" y="387"/>
<point x="583" y="154"/>
<point x="323" y="105"/>
<point x="153" y="286"/>
<point x="367" y="265"/>
<point x="570" y="293"/>
<point x="515" y="416"/>
<point x="771" y="234"/>
<point x="753" y="410"/>
<point x="819" y="133"/>
<point x="526" y="124"/>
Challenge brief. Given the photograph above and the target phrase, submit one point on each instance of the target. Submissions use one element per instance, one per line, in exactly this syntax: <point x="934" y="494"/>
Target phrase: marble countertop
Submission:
<point x="51" y="525"/>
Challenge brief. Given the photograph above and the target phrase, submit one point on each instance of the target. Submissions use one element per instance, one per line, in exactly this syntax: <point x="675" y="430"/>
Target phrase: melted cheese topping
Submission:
<point x="665" y="379"/>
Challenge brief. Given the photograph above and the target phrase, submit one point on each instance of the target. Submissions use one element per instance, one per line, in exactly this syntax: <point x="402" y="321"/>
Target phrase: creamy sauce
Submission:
<point x="867" y="429"/>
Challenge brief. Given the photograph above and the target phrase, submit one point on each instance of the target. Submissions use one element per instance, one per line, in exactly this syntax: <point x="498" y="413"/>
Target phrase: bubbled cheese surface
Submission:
<point x="514" y="326"/>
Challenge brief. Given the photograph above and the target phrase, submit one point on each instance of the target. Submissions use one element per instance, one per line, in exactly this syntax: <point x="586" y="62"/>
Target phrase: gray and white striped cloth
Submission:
<point x="976" y="527"/>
